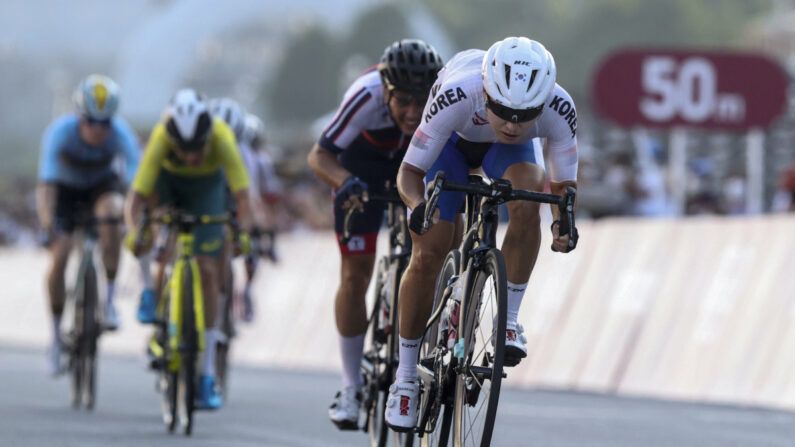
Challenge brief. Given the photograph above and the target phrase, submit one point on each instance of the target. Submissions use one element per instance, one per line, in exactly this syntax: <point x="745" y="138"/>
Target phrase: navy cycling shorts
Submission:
<point x="364" y="227"/>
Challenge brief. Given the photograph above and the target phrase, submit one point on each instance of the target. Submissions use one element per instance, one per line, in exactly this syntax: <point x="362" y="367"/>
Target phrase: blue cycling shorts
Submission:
<point x="459" y="156"/>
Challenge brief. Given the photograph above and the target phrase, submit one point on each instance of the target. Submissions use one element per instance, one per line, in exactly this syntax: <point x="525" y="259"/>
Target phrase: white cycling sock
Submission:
<point x="515" y="295"/>
<point x="351" y="351"/>
<point x="146" y="271"/>
<point x="111" y="293"/>
<point x="409" y="351"/>
<point x="210" y="341"/>
<point x="56" y="329"/>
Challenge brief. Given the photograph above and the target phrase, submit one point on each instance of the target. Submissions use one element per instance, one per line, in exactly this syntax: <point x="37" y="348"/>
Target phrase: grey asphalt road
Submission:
<point x="288" y="408"/>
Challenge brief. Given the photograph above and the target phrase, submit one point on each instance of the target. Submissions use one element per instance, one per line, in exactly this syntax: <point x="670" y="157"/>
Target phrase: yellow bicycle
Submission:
<point x="179" y="338"/>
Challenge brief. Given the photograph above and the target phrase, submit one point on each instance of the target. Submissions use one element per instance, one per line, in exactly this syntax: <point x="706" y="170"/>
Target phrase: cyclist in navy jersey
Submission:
<point x="357" y="153"/>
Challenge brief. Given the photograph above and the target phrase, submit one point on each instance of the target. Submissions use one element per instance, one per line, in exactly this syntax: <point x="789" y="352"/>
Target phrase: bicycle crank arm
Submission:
<point x="426" y="375"/>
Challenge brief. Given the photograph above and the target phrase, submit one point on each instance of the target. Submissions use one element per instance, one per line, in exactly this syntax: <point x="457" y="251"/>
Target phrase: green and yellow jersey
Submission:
<point x="160" y="154"/>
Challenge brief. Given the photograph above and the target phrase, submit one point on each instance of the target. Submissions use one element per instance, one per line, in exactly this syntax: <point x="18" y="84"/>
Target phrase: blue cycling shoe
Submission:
<point x="208" y="397"/>
<point x="148" y="307"/>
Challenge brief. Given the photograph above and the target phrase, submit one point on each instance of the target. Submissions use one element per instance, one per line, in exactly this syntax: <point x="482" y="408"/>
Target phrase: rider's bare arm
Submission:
<point x="45" y="203"/>
<point x="326" y="166"/>
<point x="244" y="209"/>
<point x="133" y="207"/>
<point x="411" y="185"/>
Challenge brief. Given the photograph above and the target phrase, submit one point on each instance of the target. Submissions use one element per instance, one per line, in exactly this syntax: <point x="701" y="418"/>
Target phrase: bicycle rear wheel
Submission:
<point x="169" y="383"/>
<point x="83" y="343"/>
<point x="436" y="429"/>
<point x="76" y="365"/>
<point x="482" y="327"/>
<point x="168" y="380"/>
<point x="91" y="331"/>
<point x="376" y="356"/>
<point x="227" y="330"/>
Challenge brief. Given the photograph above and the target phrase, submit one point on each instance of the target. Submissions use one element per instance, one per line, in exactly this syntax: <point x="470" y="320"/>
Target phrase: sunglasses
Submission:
<point x="514" y="115"/>
<point x="95" y="122"/>
<point x="406" y="99"/>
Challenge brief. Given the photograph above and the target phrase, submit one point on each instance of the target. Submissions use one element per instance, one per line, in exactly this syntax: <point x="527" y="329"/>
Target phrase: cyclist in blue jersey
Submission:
<point x="357" y="153"/>
<point x="76" y="175"/>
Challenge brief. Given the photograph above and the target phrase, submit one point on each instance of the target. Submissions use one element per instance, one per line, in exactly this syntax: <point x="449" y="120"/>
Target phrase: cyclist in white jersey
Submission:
<point x="485" y="108"/>
<point x="234" y="115"/>
<point x="267" y="188"/>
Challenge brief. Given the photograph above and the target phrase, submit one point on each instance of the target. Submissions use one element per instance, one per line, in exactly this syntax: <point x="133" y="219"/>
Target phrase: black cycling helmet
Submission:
<point x="410" y="65"/>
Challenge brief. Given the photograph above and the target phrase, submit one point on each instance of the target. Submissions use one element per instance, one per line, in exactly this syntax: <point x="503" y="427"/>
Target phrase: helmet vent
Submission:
<point x="532" y="78"/>
<point x="507" y="75"/>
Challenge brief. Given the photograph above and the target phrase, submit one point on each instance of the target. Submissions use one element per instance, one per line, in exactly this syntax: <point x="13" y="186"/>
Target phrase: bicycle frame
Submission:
<point x="399" y="246"/>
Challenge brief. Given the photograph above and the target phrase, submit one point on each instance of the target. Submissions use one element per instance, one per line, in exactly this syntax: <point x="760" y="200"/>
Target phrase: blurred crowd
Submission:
<point x="621" y="173"/>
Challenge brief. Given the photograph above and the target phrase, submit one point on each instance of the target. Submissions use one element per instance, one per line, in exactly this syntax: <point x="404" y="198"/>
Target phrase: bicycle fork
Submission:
<point x="175" y="324"/>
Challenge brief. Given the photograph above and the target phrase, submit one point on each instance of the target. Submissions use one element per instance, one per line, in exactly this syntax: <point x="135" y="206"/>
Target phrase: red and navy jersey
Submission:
<point x="363" y="133"/>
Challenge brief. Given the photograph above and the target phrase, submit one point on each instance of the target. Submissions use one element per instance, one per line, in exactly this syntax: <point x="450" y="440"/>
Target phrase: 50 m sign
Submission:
<point x="703" y="89"/>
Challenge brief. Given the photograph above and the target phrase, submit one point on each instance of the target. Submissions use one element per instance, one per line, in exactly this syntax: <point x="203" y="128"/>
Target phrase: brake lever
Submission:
<point x="436" y="186"/>
<point x="346" y="226"/>
<point x="567" y="226"/>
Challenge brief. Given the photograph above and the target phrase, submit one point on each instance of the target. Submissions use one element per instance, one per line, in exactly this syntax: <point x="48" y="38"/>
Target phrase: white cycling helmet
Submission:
<point x="231" y="112"/>
<point x="518" y="73"/>
<point x="254" y="131"/>
<point x="97" y="97"/>
<point x="188" y="120"/>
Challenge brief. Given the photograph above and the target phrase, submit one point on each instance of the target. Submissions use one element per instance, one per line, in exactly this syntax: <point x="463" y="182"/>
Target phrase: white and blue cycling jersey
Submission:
<point x="67" y="160"/>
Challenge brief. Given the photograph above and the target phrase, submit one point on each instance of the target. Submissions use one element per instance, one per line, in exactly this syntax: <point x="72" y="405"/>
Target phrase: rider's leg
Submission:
<point x="59" y="254"/>
<point x="147" y="306"/>
<point x="350" y="313"/>
<point x="427" y="255"/>
<point x="523" y="236"/>
<point x="223" y="277"/>
<point x="350" y="310"/>
<point x="416" y="292"/>
<point x="145" y="263"/>
<point x="205" y="195"/>
<point x="109" y="205"/>
<point x="209" y="267"/>
<point x="517" y="163"/>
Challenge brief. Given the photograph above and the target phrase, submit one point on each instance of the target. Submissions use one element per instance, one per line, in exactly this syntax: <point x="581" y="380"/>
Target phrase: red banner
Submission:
<point x="709" y="89"/>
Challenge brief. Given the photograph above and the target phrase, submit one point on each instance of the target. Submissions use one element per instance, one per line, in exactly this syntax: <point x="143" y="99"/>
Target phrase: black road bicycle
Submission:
<point x="81" y="341"/>
<point x="461" y="357"/>
<point x="381" y="351"/>
<point x="262" y="245"/>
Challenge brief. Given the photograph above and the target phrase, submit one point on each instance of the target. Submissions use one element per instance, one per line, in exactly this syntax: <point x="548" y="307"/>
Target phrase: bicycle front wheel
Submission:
<point x="436" y="429"/>
<point x="91" y="331"/>
<point x="190" y="350"/>
<point x="480" y="349"/>
<point x="376" y="366"/>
